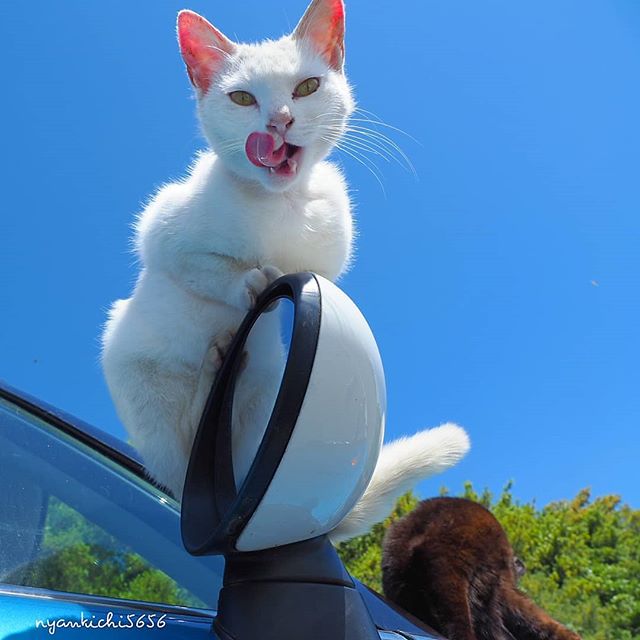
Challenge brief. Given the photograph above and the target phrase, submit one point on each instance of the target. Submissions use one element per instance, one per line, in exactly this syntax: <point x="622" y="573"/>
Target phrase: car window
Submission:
<point x="73" y="520"/>
<point x="77" y="556"/>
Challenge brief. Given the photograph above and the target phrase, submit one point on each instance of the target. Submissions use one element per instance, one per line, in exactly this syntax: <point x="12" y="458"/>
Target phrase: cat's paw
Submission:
<point x="217" y="352"/>
<point x="254" y="282"/>
<point x="213" y="358"/>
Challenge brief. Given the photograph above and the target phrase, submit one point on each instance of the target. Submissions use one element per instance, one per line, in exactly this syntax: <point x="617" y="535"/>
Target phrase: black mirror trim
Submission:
<point x="214" y="514"/>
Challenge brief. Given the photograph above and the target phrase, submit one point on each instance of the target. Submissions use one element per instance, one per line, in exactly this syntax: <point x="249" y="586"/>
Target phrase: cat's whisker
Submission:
<point x="362" y="159"/>
<point x="229" y="141"/>
<point x="342" y="144"/>
<point x="343" y="133"/>
<point x="233" y="147"/>
<point x="369" y="113"/>
<point x="363" y="140"/>
<point x="362" y="146"/>
<point x="387" y="126"/>
<point x="373" y="135"/>
<point x="329" y="113"/>
<point x="387" y="154"/>
<point x="357" y="126"/>
<point x="229" y="147"/>
<point x="371" y="146"/>
<point x="384" y="147"/>
<point x="376" y="119"/>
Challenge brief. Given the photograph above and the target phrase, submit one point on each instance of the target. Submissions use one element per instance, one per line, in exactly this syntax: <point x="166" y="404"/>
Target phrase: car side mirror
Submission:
<point x="287" y="444"/>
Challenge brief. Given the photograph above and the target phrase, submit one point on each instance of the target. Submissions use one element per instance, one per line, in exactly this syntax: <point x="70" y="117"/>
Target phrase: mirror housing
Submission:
<point x="322" y="440"/>
<point x="283" y="579"/>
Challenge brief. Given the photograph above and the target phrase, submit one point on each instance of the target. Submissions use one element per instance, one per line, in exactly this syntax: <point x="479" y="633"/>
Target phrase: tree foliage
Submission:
<point x="582" y="558"/>
<point x="77" y="556"/>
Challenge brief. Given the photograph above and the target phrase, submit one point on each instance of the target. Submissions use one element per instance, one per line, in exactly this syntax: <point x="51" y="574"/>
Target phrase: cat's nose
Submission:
<point x="280" y="122"/>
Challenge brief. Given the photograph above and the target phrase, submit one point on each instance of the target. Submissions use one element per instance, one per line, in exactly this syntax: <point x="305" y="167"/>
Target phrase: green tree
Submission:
<point x="77" y="556"/>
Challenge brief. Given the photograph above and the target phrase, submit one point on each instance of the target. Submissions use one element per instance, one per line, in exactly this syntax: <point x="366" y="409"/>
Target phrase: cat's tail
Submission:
<point x="401" y="465"/>
<point x="524" y="619"/>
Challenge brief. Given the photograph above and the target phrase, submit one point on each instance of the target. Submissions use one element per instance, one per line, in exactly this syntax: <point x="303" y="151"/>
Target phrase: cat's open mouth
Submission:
<point x="262" y="152"/>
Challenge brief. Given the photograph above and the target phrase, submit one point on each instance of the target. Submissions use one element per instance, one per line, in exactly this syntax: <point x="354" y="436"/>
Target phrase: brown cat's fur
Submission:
<point x="450" y="564"/>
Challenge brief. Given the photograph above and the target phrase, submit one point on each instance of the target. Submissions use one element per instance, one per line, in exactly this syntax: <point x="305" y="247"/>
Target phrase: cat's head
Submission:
<point x="271" y="110"/>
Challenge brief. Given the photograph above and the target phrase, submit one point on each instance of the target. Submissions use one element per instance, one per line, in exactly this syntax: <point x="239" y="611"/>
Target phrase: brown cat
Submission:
<point x="450" y="564"/>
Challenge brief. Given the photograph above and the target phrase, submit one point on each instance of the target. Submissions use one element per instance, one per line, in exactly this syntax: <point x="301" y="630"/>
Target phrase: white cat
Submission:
<point x="263" y="202"/>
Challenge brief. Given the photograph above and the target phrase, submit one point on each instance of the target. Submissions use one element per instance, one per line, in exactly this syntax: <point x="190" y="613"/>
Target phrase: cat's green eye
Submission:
<point x="243" y="98"/>
<point x="306" y="88"/>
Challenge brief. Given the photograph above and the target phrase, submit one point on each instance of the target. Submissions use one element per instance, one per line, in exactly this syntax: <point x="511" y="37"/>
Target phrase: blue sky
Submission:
<point x="503" y="286"/>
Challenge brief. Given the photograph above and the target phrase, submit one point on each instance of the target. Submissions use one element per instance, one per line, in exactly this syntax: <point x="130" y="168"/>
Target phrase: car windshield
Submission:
<point x="72" y="519"/>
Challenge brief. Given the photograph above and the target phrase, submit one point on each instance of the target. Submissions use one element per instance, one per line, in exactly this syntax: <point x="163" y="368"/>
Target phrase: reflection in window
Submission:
<point x="77" y="556"/>
<point x="73" y="520"/>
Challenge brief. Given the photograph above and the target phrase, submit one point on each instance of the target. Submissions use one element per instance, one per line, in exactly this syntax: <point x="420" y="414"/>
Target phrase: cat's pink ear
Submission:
<point x="323" y="27"/>
<point x="203" y="48"/>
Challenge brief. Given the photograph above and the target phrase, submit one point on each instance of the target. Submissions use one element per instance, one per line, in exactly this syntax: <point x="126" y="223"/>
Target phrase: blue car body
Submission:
<point x="58" y="472"/>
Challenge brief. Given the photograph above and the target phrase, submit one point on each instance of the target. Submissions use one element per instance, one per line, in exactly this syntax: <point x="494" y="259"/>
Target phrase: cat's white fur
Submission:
<point x="401" y="465"/>
<point x="211" y="243"/>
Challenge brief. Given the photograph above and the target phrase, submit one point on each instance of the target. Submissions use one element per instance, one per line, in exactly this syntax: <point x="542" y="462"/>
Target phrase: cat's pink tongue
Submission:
<point x="260" y="149"/>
